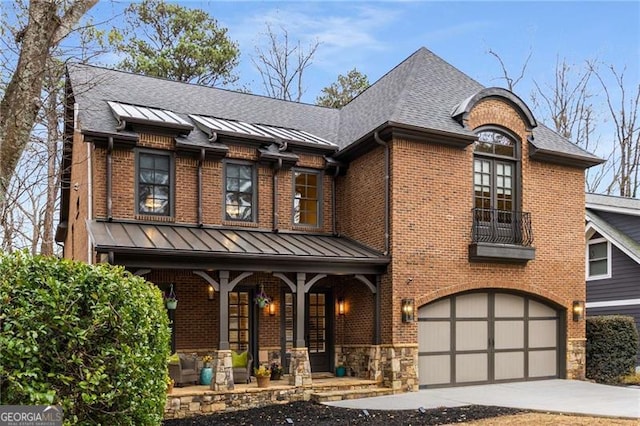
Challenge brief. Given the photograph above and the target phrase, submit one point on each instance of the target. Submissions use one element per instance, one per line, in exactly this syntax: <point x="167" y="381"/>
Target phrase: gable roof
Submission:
<point x="421" y="93"/>
<point x="617" y="219"/>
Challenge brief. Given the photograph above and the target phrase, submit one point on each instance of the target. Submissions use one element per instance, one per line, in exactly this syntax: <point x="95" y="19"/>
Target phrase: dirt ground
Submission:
<point x="537" y="419"/>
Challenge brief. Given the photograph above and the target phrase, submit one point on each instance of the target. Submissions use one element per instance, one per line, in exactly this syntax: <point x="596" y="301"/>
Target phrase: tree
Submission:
<point x="49" y="22"/>
<point x="281" y="65"/>
<point x="511" y="82"/>
<point x="175" y="42"/>
<point x="626" y="148"/>
<point x="340" y="93"/>
<point x="567" y="103"/>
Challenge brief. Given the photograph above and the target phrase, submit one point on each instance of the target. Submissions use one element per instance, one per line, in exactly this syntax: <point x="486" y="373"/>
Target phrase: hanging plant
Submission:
<point x="171" y="300"/>
<point x="261" y="298"/>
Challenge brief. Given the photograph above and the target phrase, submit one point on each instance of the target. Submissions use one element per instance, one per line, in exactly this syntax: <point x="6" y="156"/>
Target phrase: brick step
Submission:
<point x="339" y="395"/>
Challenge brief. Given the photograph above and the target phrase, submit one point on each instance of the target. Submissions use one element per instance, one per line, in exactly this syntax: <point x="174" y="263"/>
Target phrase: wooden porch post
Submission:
<point x="301" y="277"/>
<point x="224" y="311"/>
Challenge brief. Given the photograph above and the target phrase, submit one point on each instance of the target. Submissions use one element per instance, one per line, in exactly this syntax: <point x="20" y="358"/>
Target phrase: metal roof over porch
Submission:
<point x="181" y="246"/>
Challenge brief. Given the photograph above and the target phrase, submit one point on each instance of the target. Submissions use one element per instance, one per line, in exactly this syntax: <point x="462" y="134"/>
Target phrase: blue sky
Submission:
<point x="376" y="36"/>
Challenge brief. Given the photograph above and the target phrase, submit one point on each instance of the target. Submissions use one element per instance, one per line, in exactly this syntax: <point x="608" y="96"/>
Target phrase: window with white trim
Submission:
<point x="598" y="259"/>
<point x="306" y="199"/>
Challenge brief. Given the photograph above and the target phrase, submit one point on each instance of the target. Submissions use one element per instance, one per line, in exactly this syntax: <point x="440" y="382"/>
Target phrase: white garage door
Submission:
<point x="487" y="337"/>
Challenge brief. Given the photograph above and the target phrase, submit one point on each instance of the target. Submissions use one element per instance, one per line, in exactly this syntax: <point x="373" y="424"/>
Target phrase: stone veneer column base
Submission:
<point x="300" y="367"/>
<point x="576" y="358"/>
<point x="400" y="367"/>
<point x="222" y="371"/>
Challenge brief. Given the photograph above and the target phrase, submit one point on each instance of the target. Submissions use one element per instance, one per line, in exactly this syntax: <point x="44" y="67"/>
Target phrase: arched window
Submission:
<point x="494" y="173"/>
<point x="496" y="210"/>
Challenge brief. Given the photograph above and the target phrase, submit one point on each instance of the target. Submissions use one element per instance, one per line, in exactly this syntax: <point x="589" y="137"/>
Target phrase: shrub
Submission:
<point x="93" y="339"/>
<point x="612" y="347"/>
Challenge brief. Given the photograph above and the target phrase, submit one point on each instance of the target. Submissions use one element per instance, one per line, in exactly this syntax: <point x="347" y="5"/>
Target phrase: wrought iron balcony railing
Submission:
<point x="501" y="227"/>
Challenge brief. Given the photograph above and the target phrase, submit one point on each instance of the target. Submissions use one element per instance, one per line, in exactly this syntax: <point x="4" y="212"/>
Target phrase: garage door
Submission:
<point x="487" y="337"/>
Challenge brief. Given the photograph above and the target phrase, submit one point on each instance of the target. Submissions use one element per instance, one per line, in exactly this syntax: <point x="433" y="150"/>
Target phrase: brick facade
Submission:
<point x="431" y="197"/>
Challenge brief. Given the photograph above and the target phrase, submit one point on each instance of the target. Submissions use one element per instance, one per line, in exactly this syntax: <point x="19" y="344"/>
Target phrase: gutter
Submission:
<point x="274" y="212"/>
<point x="387" y="190"/>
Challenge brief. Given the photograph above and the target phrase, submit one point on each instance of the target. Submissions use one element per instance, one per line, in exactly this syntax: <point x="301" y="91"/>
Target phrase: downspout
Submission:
<point x="200" y="165"/>
<point x="334" y="229"/>
<point x="109" y="174"/>
<point x="387" y="190"/>
<point x="276" y="215"/>
<point x="282" y="146"/>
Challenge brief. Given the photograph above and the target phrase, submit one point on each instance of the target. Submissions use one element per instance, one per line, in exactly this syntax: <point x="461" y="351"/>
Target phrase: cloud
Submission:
<point x="344" y="31"/>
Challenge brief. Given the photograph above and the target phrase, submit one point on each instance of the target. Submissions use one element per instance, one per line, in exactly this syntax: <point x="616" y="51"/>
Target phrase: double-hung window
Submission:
<point x="154" y="185"/>
<point x="240" y="192"/>
<point x="598" y="258"/>
<point x="306" y="198"/>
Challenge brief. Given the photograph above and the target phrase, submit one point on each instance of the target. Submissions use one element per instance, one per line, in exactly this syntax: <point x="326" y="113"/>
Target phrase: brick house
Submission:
<point x="426" y="234"/>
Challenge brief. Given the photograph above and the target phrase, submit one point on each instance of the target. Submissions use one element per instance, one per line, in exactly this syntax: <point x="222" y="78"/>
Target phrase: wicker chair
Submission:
<point x="186" y="371"/>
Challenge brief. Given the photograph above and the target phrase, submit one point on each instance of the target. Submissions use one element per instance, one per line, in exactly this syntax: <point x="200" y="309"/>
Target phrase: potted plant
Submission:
<point x="206" y="374"/>
<point x="170" y="300"/>
<point x="263" y="376"/>
<point x="170" y="383"/>
<point x="261" y="298"/>
<point x="276" y="371"/>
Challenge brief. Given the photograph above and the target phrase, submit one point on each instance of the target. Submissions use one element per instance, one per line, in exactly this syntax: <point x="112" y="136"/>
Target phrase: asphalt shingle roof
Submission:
<point x="422" y="92"/>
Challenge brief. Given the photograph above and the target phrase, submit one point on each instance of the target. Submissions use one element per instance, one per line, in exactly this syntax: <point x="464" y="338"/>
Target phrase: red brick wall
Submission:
<point x="432" y="198"/>
<point x="186" y="193"/>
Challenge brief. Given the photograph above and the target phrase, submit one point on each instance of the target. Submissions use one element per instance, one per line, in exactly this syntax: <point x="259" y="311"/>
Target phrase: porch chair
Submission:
<point x="241" y="363"/>
<point x="184" y="371"/>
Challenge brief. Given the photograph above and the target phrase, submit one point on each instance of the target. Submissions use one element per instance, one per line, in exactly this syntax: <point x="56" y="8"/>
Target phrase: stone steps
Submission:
<point x="342" y="394"/>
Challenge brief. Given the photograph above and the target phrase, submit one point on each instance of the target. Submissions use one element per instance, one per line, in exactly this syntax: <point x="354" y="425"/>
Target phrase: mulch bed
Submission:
<point x="309" y="413"/>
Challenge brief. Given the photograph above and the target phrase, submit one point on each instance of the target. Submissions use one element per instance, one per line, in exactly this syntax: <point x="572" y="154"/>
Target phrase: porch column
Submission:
<point x="301" y="277"/>
<point x="300" y="367"/>
<point x="376" y="317"/>
<point x="224" y="311"/>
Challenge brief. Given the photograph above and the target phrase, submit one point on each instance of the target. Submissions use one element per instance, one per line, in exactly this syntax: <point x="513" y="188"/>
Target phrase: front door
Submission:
<point x="318" y="318"/>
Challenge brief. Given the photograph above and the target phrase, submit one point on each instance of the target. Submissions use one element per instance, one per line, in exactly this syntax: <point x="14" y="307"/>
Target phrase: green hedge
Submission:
<point x="93" y="339"/>
<point x="612" y="347"/>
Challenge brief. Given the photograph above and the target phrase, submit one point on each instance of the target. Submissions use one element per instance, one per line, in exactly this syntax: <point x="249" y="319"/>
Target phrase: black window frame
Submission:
<point x="319" y="199"/>
<point x="495" y="159"/>
<point x="139" y="153"/>
<point x="254" y="194"/>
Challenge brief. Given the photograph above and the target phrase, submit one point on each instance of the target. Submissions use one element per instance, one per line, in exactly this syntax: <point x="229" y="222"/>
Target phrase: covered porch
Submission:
<point x="323" y="290"/>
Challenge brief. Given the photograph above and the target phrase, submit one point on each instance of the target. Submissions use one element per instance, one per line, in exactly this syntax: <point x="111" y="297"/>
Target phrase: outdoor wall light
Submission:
<point x="210" y="292"/>
<point x="272" y="309"/>
<point x="578" y="310"/>
<point x="407" y="310"/>
<point x="341" y="306"/>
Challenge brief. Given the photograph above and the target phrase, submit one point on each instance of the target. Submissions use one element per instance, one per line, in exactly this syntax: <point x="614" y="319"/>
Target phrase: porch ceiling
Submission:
<point x="180" y="246"/>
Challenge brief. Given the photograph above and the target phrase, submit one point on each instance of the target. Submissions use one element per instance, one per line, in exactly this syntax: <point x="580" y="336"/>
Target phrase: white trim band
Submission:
<point x="611" y="303"/>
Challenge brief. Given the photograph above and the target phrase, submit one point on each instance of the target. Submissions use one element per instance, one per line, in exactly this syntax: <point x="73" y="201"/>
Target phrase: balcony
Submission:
<point x="501" y="236"/>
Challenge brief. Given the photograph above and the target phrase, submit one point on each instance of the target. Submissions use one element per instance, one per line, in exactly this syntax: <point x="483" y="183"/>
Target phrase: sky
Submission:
<point x="375" y="36"/>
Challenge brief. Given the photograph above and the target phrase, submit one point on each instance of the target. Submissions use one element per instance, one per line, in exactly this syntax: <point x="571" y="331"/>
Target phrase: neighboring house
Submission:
<point x="426" y="234"/>
<point x="613" y="256"/>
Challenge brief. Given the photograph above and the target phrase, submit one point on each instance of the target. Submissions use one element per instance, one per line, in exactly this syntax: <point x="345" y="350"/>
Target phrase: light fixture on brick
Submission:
<point x="210" y="292"/>
<point x="407" y="310"/>
<point x="578" y="310"/>
<point x="341" y="306"/>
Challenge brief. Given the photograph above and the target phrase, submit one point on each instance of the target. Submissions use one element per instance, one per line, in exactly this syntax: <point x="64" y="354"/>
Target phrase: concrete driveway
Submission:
<point x="562" y="396"/>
